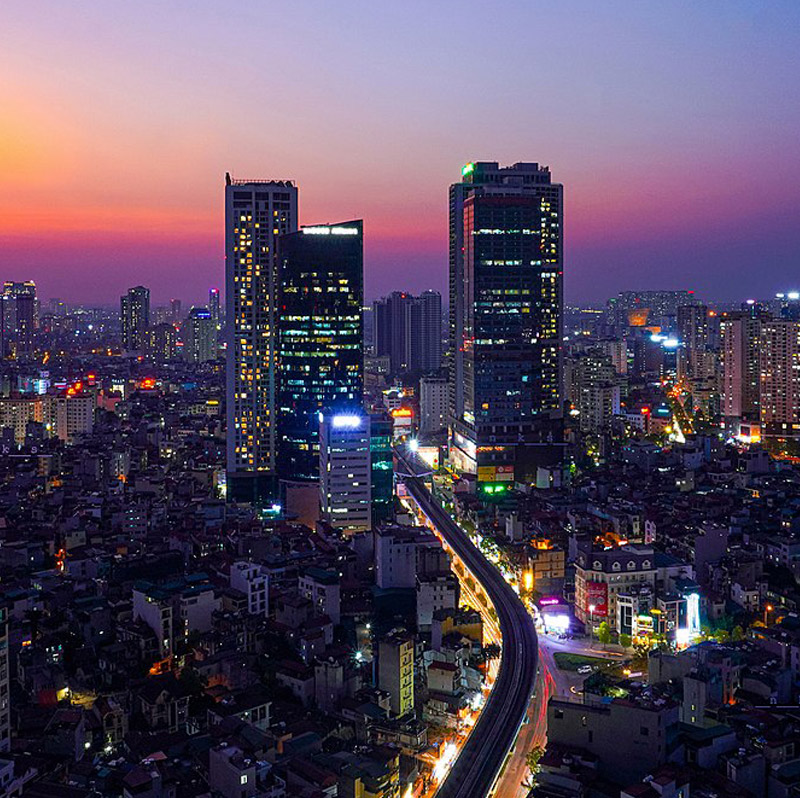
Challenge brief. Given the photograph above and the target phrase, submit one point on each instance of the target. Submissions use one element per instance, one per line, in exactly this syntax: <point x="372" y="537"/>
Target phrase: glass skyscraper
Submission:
<point x="257" y="212"/>
<point x="505" y="321"/>
<point x="321" y="337"/>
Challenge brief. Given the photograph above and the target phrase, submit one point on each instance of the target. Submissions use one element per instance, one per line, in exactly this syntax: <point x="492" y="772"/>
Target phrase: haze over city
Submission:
<point x="671" y="125"/>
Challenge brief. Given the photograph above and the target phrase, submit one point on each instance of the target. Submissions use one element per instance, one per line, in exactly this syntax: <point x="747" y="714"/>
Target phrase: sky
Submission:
<point x="672" y="125"/>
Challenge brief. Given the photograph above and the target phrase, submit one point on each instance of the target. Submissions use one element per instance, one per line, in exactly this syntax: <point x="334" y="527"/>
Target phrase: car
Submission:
<point x="585" y="669"/>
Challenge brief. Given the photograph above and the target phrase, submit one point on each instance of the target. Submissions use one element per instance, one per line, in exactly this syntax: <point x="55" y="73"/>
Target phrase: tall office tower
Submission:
<point x="256" y="213"/>
<point x="740" y="334"/>
<point x="175" y="309"/>
<point x="505" y="319"/>
<point x="321" y="337"/>
<point x="345" y="485"/>
<point x="214" y="307"/>
<point x="409" y="330"/>
<point x="433" y="395"/>
<point x="18" y="315"/>
<point x="135" y="318"/>
<point x="200" y="340"/>
<point x="5" y="689"/>
<point x="779" y="364"/>
<point x="396" y="670"/>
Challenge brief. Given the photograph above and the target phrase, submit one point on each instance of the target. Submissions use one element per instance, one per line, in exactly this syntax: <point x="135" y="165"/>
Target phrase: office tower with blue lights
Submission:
<point x="257" y="213"/>
<point x="135" y="318"/>
<point x="506" y="309"/>
<point x="200" y="340"/>
<point x="321" y="338"/>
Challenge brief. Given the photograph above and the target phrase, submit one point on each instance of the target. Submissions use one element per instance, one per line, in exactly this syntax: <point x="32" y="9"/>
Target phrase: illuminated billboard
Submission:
<point x="597" y="597"/>
<point x="502" y="473"/>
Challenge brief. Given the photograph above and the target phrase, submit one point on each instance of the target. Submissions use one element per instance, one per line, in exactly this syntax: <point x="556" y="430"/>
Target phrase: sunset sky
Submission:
<point x="674" y="127"/>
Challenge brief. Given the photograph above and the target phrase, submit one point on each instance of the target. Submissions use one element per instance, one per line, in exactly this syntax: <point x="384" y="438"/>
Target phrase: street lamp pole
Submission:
<point x="592" y="608"/>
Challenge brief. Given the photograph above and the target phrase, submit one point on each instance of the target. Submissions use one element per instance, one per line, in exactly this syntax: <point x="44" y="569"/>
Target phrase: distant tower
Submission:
<point x="18" y="317"/>
<point x="214" y="307"/>
<point x="135" y="318"/>
<point x="201" y="340"/>
<point x="256" y="214"/>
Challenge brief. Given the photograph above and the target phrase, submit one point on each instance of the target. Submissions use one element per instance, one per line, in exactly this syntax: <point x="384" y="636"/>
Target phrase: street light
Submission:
<point x="767" y="610"/>
<point x="592" y="608"/>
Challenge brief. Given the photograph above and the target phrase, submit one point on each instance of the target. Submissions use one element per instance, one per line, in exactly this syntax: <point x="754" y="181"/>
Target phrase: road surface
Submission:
<point x="483" y="754"/>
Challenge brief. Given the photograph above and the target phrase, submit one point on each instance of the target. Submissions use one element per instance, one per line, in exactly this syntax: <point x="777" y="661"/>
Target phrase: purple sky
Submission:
<point x="673" y="126"/>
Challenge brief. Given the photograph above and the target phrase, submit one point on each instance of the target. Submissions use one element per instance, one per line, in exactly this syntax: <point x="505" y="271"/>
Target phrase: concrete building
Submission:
<point x="396" y="671"/>
<point x="779" y="367"/>
<point x="740" y="339"/>
<point x="345" y="470"/>
<point x="402" y="554"/>
<point x="408" y="330"/>
<point x="433" y="398"/>
<point x="200" y="341"/>
<point x="322" y="588"/>
<point x="18" y="318"/>
<point x="252" y="580"/>
<point x="17" y="411"/>
<point x="256" y="214"/>
<point x="5" y="689"/>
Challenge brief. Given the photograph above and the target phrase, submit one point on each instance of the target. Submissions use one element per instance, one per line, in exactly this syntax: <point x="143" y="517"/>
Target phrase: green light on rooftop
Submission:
<point x="467" y="169"/>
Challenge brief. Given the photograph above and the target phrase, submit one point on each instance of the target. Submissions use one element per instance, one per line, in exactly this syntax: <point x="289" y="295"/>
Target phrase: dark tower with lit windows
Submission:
<point x="506" y="312"/>
<point x="321" y="338"/>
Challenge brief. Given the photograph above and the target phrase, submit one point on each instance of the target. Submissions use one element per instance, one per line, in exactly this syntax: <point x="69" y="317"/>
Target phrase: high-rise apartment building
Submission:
<point x="163" y="341"/>
<point x="740" y="336"/>
<point x="779" y="363"/>
<point x="256" y="214"/>
<point x="345" y="470"/>
<point x="505" y="319"/>
<point x="381" y="465"/>
<point x="200" y="340"/>
<point x="135" y="318"/>
<point x="321" y="338"/>
<point x="18" y="316"/>
<point x="408" y="330"/>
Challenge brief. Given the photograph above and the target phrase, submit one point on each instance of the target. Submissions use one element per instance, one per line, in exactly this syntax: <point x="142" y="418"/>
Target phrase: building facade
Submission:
<point x="506" y="271"/>
<point x="135" y="318"/>
<point x="321" y="337"/>
<point x="256" y="214"/>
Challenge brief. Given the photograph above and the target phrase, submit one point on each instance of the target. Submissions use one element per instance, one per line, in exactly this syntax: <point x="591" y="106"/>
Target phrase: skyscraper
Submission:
<point x="214" y="307"/>
<point x="409" y="330"/>
<point x="740" y="334"/>
<point x="200" y="340"/>
<point x="256" y="214"/>
<point x="779" y="364"/>
<point x="321" y="336"/>
<point x="135" y="318"/>
<point x="505" y="319"/>
<point x="17" y="318"/>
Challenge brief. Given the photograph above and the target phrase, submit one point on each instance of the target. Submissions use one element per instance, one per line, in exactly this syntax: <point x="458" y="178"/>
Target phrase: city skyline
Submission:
<point x="674" y="147"/>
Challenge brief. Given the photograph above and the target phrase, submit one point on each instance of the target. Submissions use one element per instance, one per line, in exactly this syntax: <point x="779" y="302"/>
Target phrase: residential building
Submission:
<point x="433" y="398"/>
<point x="256" y="214"/>
<point x="135" y="318"/>
<point x="18" y="318"/>
<point x="396" y="670"/>
<point x="200" y="341"/>
<point x="252" y="580"/>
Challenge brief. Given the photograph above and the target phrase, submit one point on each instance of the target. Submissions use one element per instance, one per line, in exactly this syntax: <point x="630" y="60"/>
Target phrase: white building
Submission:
<point x="252" y="580"/>
<point x="345" y="470"/>
<point x="435" y="592"/>
<point x="403" y="553"/>
<point x="322" y="588"/>
<point x="433" y="393"/>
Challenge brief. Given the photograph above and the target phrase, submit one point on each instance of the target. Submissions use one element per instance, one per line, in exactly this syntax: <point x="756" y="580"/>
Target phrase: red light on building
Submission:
<point x="645" y="411"/>
<point x="147" y="384"/>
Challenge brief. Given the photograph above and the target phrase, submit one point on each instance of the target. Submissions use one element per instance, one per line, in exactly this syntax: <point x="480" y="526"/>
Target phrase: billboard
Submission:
<point x="597" y="595"/>
<point x="501" y="473"/>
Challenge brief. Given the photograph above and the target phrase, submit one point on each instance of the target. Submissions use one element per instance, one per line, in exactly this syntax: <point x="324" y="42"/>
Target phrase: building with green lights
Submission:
<point x="321" y="341"/>
<point x="505" y="404"/>
<point x="380" y="445"/>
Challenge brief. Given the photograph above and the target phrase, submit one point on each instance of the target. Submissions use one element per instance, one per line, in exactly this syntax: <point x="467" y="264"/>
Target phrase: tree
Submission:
<point x="534" y="768"/>
<point x="604" y="633"/>
<point x="737" y="634"/>
<point x="625" y="640"/>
